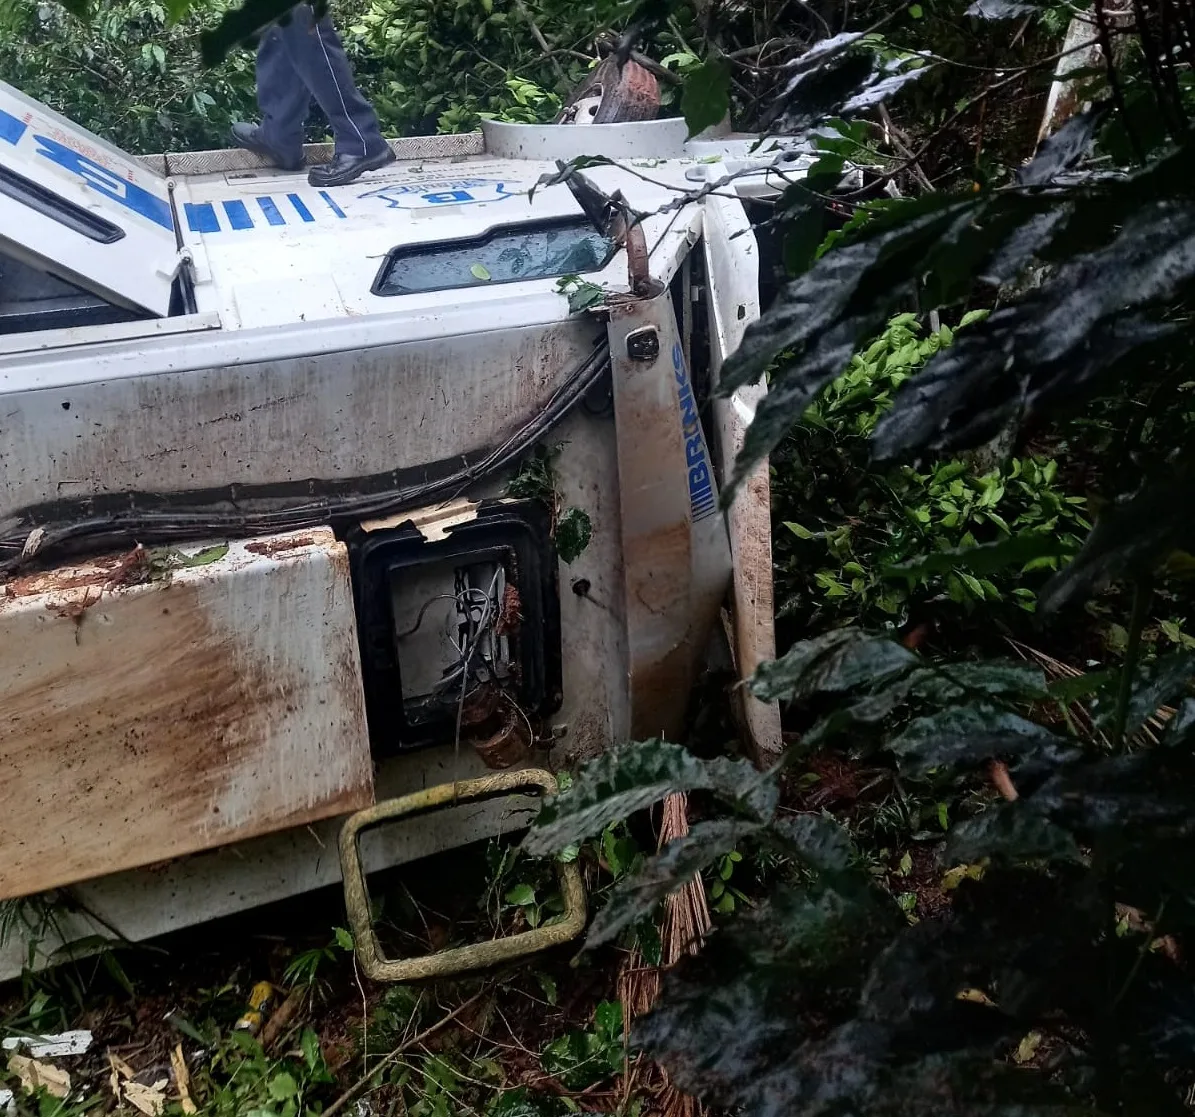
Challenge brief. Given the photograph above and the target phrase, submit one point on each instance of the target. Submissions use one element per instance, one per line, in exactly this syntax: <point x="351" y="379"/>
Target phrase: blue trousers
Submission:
<point x="304" y="59"/>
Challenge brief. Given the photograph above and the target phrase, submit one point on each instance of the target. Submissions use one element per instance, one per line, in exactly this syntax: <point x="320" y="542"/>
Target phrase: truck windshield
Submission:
<point x="544" y="250"/>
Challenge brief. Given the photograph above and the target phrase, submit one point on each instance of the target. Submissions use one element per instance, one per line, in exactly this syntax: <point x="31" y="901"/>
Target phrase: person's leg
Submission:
<point x="315" y="51"/>
<point x="283" y="96"/>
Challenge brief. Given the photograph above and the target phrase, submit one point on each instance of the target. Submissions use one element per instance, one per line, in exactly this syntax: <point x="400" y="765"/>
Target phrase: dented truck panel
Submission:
<point x="293" y="543"/>
<point x="205" y="705"/>
<point x="674" y="540"/>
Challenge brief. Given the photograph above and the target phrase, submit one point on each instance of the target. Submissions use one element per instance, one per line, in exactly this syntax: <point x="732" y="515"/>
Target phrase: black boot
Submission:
<point x="348" y="168"/>
<point x="248" y="136"/>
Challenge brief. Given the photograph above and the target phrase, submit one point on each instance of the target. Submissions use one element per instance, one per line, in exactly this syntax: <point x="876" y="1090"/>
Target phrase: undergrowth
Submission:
<point x="851" y="535"/>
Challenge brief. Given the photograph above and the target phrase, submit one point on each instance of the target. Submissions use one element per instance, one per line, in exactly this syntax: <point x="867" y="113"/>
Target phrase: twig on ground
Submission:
<point x="401" y="1050"/>
<point x="286" y="1012"/>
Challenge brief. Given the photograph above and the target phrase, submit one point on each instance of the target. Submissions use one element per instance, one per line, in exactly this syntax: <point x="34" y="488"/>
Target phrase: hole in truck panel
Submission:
<point x="32" y="299"/>
<point x="506" y="254"/>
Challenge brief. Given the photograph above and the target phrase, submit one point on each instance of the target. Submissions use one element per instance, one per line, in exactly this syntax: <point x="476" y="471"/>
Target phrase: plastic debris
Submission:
<point x="8" y="1103"/>
<point x="50" y="1047"/>
<point x="259" y="1002"/>
<point x="34" y="1075"/>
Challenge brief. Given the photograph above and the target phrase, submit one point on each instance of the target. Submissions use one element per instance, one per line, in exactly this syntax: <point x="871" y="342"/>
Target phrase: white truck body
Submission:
<point x="256" y="443"/>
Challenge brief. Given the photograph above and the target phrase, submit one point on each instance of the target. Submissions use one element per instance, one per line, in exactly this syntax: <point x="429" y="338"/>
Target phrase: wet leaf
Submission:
<point x="705" y="100"/>
<point x="838" y="661"/>
<point x="636" y="896"/>
<point x="623" y="780"/>
<point x="968" y="735"/>
<point x="480" y="271"/>
<point x="986" y="558"/>
<point x="574" y="530"/>
<point x="1061" y="151"/>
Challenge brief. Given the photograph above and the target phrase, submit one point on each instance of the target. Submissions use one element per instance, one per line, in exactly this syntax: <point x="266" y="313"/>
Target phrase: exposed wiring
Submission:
<point x="157" y="525"/>
<point x="431" y="601"/>
<point x="473" y="646"/>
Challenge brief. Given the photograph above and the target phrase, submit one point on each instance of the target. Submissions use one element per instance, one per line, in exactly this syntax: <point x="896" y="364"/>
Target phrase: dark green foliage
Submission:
<point x="867" y="543"/>
<point x="706" y="99"/>
<point x="824" y="1000"/>
<point x="574" y="530"/>
<point x="131" y="72"/>
<point x="838" y="661"/>
<point x="627" y="779"/>
<point x="966" y="735"/>
<point x="637" y="896"/>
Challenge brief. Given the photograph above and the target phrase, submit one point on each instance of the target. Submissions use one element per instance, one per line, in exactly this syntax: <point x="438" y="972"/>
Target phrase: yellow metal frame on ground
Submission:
<point x="459" y="959"/>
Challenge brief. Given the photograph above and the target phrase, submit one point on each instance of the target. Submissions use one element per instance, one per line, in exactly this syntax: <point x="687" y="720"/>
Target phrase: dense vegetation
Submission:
<point x="971" y="883"/>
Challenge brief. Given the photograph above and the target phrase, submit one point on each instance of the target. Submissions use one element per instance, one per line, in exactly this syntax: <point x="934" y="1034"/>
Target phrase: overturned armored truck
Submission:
<point x="312" y="498"/>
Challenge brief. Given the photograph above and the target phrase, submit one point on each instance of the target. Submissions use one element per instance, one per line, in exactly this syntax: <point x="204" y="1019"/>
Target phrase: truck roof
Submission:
<point x="259" y="247"/>
<point x="410" y="237"/>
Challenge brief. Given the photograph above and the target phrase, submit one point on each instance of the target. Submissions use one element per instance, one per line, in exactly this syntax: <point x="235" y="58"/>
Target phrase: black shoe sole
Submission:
<point x="373" y="163"/>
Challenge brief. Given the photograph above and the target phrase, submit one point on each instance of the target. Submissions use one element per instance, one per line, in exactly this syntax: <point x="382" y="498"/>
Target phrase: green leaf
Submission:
<point x="838" y="661"/>
<point x="799" y="531"/>
<point x="705" y="99"/>
<point x="522" y="896"/>
<point x="987" y="558"/>
<point x="283" y="1086"/>
<point x="581" y="293"/>
<point x="733" y="1025"/>
<point x="915" y="11"/>
<point x="607" y="1018"/>
<point x="1012" y="832"/>
<point x="343" y="939"/>
<point x="201" y="558"/>
<point x="312" y="1055"/>
<point x="994" y="678"/>
<point x="480" y="271"/>
<point x="623" y="780"/>
<point x="968" y="735"/>
<point x="824" y="315"/>
<point x="574" y="530"/>
<point x="819" y="842"/>
<point x="1155" y="684"/>
<point x="547" y="985"/>
<point x="636" y="896"/>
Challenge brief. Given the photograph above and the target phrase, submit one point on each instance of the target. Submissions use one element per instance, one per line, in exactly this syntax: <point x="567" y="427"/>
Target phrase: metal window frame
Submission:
<point x="44" y="201"/>
<point x="430" y="248"/>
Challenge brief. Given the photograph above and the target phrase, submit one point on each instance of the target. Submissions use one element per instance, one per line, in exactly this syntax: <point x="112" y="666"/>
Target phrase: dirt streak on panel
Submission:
<point x="118" y="749"/>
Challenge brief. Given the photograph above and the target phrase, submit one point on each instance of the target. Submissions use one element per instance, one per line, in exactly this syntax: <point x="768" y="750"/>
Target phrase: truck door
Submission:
<point x="81" y="210"/>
